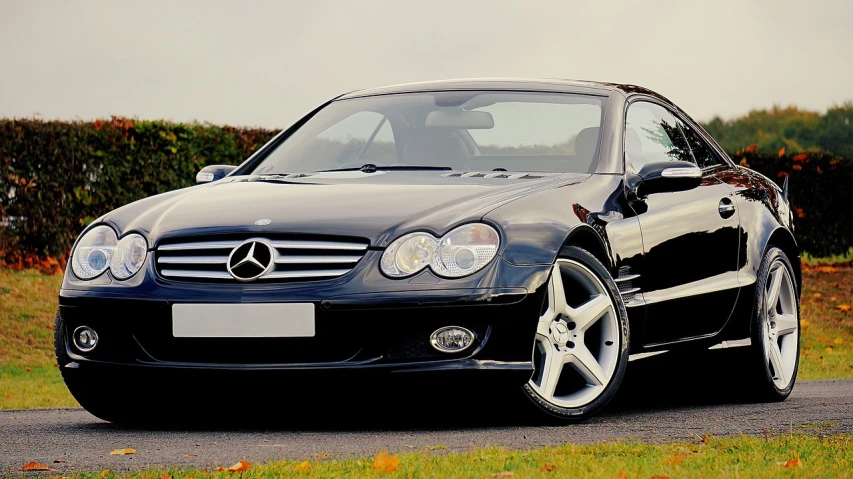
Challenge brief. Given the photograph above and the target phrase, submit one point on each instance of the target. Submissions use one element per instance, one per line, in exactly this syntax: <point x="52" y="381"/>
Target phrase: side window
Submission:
<point x="652" y="135"/>
<point x="705" y="156"/>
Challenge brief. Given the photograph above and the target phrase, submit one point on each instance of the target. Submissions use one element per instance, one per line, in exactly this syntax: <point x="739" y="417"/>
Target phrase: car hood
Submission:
<point x="377" y="206"/>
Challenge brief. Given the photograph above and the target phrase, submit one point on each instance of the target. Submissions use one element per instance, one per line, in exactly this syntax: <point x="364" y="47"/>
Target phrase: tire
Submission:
<point x="763" y="382"/>
<point x="563" y="351"/>
<point x="103" y="395"/>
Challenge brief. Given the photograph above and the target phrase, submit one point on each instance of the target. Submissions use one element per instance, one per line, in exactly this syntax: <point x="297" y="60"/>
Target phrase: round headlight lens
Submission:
<point x="408" y="254"/>
<point x="129" y="256"/>
<point x="465" y="250"/>
<point x="461" y="252"/>
<point x="94" y="252"/>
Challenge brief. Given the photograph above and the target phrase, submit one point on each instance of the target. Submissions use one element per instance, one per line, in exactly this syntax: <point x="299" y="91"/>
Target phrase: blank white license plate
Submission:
<point x="266" y="320"/>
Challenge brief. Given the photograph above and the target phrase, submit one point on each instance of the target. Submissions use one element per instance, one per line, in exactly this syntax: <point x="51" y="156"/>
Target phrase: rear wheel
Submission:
<point x="581" y="346"/>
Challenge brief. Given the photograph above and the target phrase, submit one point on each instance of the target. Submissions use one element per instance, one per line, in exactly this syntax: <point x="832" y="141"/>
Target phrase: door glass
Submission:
<point x="704" y="155"/>
<point x="652" y="135"/>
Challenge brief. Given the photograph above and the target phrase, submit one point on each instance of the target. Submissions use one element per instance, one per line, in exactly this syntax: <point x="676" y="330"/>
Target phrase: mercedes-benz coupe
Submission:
<point x="541" y="233"/>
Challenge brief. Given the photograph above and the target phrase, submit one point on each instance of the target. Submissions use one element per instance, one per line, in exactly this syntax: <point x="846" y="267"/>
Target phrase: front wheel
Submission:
<point x="581" y="348"/>
<point x="774" y="355"/>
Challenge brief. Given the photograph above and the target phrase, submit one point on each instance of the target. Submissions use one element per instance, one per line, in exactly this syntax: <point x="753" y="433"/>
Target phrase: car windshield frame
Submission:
<point x="439" y="130"/>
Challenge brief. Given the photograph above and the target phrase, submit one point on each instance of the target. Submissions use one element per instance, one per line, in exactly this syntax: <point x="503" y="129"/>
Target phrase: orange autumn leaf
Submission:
<point x="165" y="476"/>
<point x="744" y="163"/>
<point x="797" y="167"/>
<point x="240" y="466"/>
<point x="303" y="468"/>
<point x="35" y="466"/>
<point x="383" y="463"/>
<point x="795" y="462"/>
<point x="752" y="148"/>
<point x="220" y="469"/>
<point x="804" y="323"/>
<point x="660" y="477"/>
<point x="844" y="308"/>
<point x="781" y="152"/>
<point x="548" y="467"/>
<point x="813" y="356"/>
<point x="673" y="460"/>
<point x="621" y="475"/>
<point x="123" y="452"/>
<point x="801" y="158"/>
<point x="828" y="269"/>
<point x="781" y="174"/>
<point x="799" y="212"/>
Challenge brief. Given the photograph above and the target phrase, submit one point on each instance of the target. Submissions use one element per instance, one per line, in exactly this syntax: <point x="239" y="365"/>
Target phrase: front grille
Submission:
<point x="296" y="259"/>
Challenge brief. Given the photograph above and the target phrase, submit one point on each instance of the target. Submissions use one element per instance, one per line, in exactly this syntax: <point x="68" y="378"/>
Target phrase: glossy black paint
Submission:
<point x="693" y="266"/>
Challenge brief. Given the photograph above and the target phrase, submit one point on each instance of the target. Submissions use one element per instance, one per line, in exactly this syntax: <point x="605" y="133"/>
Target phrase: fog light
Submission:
<point x="451" y="339"/>
<point x="85" y="338"/>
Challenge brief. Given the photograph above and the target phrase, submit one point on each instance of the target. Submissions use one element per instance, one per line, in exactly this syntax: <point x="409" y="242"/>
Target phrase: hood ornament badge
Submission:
<point x="251" y="260"/>
<point x="263" y="222"/>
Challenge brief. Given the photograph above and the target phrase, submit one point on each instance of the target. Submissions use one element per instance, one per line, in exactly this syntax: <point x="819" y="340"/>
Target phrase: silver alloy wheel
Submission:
<point x="583" y="337"/>
<point x="781" y="331"/>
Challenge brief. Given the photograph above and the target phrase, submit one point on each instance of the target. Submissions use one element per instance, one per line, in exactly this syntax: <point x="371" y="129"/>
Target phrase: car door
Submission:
<point x="690" y="238"/>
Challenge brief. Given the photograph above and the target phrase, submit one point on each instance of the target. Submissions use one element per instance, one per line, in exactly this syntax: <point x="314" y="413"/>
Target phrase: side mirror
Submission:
<point x="666" y="177"/>
<point x="213" y="173"/>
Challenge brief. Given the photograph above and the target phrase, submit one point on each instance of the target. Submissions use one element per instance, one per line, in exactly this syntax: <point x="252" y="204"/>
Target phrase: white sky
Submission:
<point x="266" y="63"/>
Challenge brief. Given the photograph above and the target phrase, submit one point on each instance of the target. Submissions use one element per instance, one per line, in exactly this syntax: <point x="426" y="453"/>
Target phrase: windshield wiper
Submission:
<point x="370" y="168"/>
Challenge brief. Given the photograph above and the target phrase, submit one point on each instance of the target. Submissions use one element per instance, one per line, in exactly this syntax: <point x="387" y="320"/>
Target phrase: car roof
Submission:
<point x="510" y="84"/>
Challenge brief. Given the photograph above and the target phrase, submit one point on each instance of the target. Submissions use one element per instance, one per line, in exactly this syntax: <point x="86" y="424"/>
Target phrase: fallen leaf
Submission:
<point x="813" y="356"/>
<point x="828" y="269"/>
<point x="673" y="460"/>
<point x="35" y="466"/>
<point x="191" y="455"/>
<point x="660" y="477"/>
<point x="220" y="469"/>
<point x="504" y="474"/>
<point x="804" y="323"/>
<point x="781" y="152"/>
<point x="105" y="472"/>
<point x="621" y="475"/>
<point x="303" y="468"/>
<point x="549" y="467"/>
<point x="795" y="462"/>
<point x="165" y="476"/>
<point x="383" y="463"/>
<point x="123" y="452"/>
<point x="240" y="466"/>
<point x="844" y="308"/>
<point x="817" y="295"/>
<point x="838" y="341"/>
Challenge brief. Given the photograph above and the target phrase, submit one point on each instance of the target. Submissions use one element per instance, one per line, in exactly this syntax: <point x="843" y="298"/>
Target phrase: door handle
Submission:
<point x="726" y="208"/>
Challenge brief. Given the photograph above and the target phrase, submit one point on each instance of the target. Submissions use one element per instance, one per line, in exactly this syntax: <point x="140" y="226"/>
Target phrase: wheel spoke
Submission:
<point x="785" y="324"/>
<point x="588" y="313"/>
<point x="587" y="366"/>
<point x="775" y="357"/>
<point x="557" y="293"/>
<point x="775" y="286"/>
<point x="553" y="367"/>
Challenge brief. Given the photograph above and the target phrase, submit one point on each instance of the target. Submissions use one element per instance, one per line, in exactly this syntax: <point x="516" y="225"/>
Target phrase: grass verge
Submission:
<point x="795" y="455"/>
<point x="29" y="377"/>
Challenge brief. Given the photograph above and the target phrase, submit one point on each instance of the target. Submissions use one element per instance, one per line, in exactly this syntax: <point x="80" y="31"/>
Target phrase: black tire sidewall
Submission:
<point x="587" y="259"/>
<point x="766" y="388"/>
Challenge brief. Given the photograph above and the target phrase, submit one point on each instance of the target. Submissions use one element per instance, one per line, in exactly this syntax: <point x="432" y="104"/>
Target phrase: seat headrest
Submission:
<point x="586" y="143"/>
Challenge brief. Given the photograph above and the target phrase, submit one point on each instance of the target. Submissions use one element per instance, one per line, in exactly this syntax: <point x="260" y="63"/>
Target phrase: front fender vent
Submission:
<point x="502" y="175"/>
<point x="625" y="283"/>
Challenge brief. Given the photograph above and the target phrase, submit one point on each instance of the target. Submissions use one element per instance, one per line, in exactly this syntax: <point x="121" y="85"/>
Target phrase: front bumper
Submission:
<point x="359" y="327"/>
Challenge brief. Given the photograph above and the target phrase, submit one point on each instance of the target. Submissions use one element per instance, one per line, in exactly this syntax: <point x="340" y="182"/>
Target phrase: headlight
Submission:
<point x="130" y="254"/>
<point x="461" y="252"/>
<point x="99" y="249"/>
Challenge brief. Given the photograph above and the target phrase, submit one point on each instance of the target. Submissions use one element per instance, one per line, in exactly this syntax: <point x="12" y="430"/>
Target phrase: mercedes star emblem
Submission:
<point x="250" y="260"/>
<point x="263" y="222"/>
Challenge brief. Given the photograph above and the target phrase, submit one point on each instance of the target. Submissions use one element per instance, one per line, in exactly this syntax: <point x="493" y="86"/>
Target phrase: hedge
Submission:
<point x="59" y="176"/>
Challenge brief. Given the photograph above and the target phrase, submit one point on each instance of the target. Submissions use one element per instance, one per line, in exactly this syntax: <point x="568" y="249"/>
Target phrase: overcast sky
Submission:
<point x="257" y="63"/>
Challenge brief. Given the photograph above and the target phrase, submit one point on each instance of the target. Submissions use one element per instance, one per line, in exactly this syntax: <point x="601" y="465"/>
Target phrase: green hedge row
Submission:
<point x="59" y="176"/>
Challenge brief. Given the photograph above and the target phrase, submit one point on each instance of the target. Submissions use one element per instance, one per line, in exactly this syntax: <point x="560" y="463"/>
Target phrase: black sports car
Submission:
<point x="541" y="232"/>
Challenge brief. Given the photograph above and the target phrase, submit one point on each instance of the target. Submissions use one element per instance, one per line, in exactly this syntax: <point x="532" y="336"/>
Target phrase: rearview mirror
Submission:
<point x="667" y="176"/>
<point x="213" y="173"/>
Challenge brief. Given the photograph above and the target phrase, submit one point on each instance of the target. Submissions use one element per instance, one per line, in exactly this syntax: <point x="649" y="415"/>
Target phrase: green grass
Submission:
<point x="29" y="377"/>
<point x="714" y="457"/>
<point x="839" y="259"/>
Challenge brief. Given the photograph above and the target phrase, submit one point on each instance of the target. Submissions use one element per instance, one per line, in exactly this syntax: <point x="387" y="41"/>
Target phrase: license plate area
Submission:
<point x="245" y="320"/>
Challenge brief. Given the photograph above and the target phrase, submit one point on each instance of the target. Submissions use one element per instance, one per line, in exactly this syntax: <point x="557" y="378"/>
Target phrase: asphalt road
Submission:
<point x="655" y="411"/>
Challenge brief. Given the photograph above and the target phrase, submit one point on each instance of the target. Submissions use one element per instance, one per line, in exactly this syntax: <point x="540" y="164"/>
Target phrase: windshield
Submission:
<point x="459" y="130"/>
